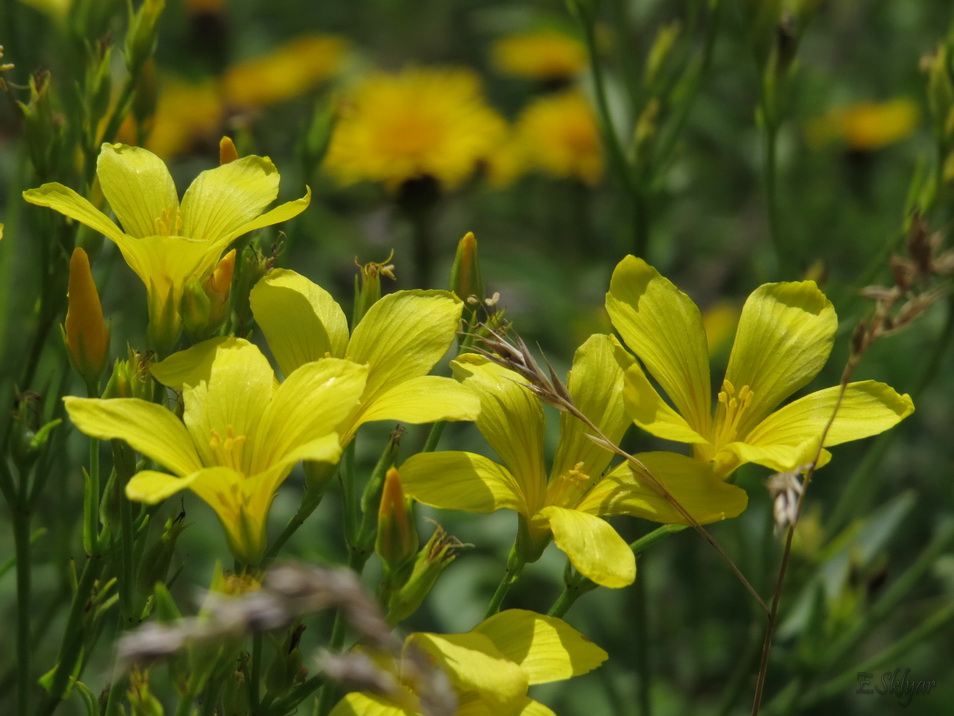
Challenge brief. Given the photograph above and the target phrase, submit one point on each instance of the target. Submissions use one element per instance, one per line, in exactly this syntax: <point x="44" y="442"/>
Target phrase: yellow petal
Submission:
<point x="785" y="335"/>
<point x="868" y="408"/>
<point x="190" y="366"/>
<point x="534" y="708"/>
<point x="147" y="427"/>
<point x="700" y="491"/>
<point x="300" y="320"/>
<point x="66" y="201"/>
<point x="663" y="327"/>
<point x="596" y="384"/>
<point x="547" y="648"/>
<point x="592" y="545"/>
<point x="473" y="664"/>
<point x="358" y="704"/>
<point x="221" y="200"/>
<point x="511" y="421"/>
<point x="651" y="413"/>
<point x="403" y="335"/>
<point x="422" y="400"/>
<point x="223" y="414"/>
<point x="240" y="509"/>
<point x="282" y="212"/>
<point x="461" y="481"/>
<point x="139" y="189"/>
<point x="310" y="404"/>
<point x="153" y="487"/>
<point x="166" y="263"/>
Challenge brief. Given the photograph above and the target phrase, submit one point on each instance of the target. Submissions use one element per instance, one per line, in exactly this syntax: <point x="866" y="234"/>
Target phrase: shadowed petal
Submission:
<point x="461" y="481"/>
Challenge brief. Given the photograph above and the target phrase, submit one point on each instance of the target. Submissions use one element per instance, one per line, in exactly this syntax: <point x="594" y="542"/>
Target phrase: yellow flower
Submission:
<point x="86" y="334"/>
<point x="568" y="507"/>
<point x="540" y="55"/>
<point x="286" y="72"/>
<point x="421" y="122"/>
<point x="560" y="136"/>
<point x="239" y="437"/>
<point x="166" y="243"/>
<point x="400" y="338"/>
<point x="865" y="126"/>
<point x="784" y="337"/>
<point x="489" y="667"/>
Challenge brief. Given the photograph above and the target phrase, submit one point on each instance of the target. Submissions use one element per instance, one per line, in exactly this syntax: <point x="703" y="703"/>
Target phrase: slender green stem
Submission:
<point x="770" y="151"/>
<point x="434" y="436"/>
<point x="298" y="694"/>
<point x="643" y="640"/>
<point x="12" y="562"/>
<point x="309" y="503"/>
<point x="514" y="568"/>
<point x="328" y="690"/>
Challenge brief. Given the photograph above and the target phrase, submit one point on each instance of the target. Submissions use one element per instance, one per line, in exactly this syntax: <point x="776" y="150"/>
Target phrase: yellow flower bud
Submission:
<point x="142" y="33"/>
<point x="227" y="154"/>
<point x="217" y="288"/>
<point x="85" y="332"/>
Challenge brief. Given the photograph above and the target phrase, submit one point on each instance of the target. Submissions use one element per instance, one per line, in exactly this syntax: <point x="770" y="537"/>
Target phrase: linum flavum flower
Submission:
<point x="240" y="435"/>
<point x="865" y="126"/>
<point x="567" y="507"/>
<point x="489" y="667"/>
<point x="423" y="122"/>
<point x="400" y="338"/>
<point x="784" y="337"/>
<point x="164" y="242"/>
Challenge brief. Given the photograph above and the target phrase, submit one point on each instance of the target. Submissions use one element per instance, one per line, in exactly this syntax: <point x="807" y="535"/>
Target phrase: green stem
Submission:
<point x="328" y="690"/>
<point x="641" y="615"/>
<point x="434" y="436"/>
<point x="91" y="503"/>
<point x="515" y="567"/>
<point x="309" y="503"/>
<point x="770" y="136"/>
<point x="255" y="677"/>
<point x="298" y="694"/>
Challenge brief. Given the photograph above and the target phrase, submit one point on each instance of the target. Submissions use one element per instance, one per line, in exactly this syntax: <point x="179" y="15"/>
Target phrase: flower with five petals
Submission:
<point x="784" y="337"/>
<point x="239" y="437"/>
<point x="165" y="242"/>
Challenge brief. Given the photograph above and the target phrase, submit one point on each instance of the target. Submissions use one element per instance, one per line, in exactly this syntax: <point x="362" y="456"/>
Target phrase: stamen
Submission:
<point x="228" y="452"/>
<point x="732" y="405"/>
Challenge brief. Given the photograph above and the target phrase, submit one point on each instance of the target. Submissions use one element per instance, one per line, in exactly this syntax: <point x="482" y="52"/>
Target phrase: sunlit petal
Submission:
<point x="192" y="365"/>
<point x="461" y="481"/>
<point x="147" y="427"/>
<point x="663" y="327"/>
<point x="651" y="413"/>
<point x="139" y="189"/>
<point x="547" y="648"/>
<point x="300" y="320"/>
<point x="784" y="338"/>
<point x="511" y="421"/>
<point x="66" y="201"/>
<point x="153" y="487"/>
<point x="596" y="384"/>
<point x="692" y="483"/>
<point x="422" y="400"/>
<point x="360" y="704"/>
<point x="594" y="548"/>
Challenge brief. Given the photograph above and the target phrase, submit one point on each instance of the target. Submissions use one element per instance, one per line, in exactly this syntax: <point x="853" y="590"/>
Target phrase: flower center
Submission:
<point x="169" y="222"/>
<point x="228" y="451"/>
<point x="569" y="487"/>
<point x="732" y="405"/>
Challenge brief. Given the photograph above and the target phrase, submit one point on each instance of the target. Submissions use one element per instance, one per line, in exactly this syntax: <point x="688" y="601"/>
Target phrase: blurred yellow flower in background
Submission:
<point x="865" y="126"/>
<point x="421" y="122"/>
<point x="286" y="72"/>
<point x="186" y="112"/>
<point x="541" y="55"/>
<point x="560" y="136"/>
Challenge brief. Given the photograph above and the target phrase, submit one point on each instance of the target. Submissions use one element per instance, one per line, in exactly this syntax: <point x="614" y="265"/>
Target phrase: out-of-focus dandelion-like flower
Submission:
<point x="865" y="126"/>
<point x="559" y="135"/>
<point x="286" y="72"/>
<point x="422" y="122"/>
<point x="539" y="55"/>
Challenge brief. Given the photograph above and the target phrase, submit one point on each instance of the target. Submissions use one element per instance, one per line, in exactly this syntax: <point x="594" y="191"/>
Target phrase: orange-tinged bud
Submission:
<point x="85" y="332"/>
<point x="217" y="288"/>
<point x="227" y="152"/>
<point x="396" y="540"/>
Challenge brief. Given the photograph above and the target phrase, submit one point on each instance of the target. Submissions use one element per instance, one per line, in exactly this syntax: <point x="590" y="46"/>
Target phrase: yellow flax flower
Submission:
<point x="560" y="136"/>
<point x="567" y="507"/>
<point x="539" y="55"/>
<point x="239" y="436"/>
<point x="421" y="122"/>
<point x="187" y="111"/>
<point x="489" y="667"/>
<point x="784" y="337"/>
<point x="166" y="243"/>
<point x="285" y="73"/>
<point x="400" y="338"/>
<point x="865" y="126"/>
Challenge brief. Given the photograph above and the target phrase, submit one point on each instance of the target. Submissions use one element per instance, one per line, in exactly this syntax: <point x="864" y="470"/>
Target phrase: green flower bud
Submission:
<point x="142" y="34"/>
<point x="195" y="308"/>
<point x="367" y="285"/>
<point x="466" y="280"/>
<point x="432" y="560"/>
<point x="396" y="540"/>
